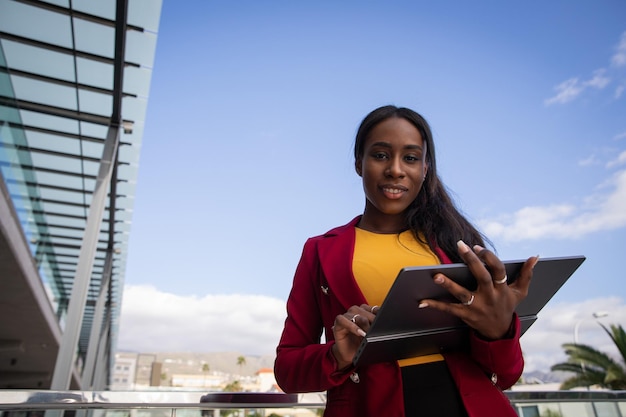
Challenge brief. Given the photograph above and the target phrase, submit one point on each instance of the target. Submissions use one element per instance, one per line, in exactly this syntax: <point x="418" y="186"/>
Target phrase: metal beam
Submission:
<point x="65" y="359"/>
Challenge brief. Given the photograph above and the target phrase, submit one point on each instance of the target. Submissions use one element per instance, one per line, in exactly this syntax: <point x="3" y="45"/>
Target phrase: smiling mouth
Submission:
<point x="393" y="190"/>
<point x="394" y="193"/>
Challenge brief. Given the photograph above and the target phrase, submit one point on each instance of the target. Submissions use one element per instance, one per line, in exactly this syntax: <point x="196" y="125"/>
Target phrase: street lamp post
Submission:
<point x="596" y="315"/>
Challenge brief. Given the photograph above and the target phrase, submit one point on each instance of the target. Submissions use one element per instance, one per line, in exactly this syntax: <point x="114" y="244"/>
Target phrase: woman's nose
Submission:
<point x="395" y="169"/>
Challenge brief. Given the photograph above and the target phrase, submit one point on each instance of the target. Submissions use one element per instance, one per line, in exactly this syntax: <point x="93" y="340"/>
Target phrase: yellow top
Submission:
<point x="375" y="269"/>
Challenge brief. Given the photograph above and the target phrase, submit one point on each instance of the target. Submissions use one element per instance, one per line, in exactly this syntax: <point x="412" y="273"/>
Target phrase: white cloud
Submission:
<point x="620" y="160"/>
<point x="572" y="88"/>
<point x="620" y="136"/>
<point x="542" y="343"/>
<point x="592" y="160"/>
<point x="619" y="58"/>
<point x="566" y="91"/>
<point x="155" y="321"/>
<point x="599" y="80"/>
<point x="602" y="212"/>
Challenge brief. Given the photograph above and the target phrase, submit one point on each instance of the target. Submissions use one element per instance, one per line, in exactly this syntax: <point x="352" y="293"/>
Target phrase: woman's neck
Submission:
<point x="385" y="225"/>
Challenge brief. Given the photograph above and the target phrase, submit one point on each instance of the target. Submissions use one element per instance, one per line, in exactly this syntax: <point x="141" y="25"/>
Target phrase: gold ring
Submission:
<point x="469" y="302"/>
<point x="372" y="309"/>
<point x="501" y="281"/>
<point x="353" y="319"/>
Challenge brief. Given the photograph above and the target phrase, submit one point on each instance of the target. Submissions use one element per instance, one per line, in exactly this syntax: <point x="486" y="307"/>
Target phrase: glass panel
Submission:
<point x="59" y="195"/>
<point x="63" y="209"/>
<point x="137" y="81"/>
<point x="62" y="3"/>
<point x="92" y="149"/>
<point x="61" y="251"/>
<point x="58" y="231"/>
<point x="45" y="93"/>
<point x="140" y="48"/>
<point x="145" y="13"/>
<point x="95" y="103"/>
<point x="53" y="143"/>
<point x="134" y="108"/>
<point x="604" y="409"/>
<point x="60" y="124"/>
<point x="95" y="73"/>
<point x="102" y="8"/>
<point x="94" y="130"/>
<point x="129" y="154"/>
<point x="35" y="23"/>
<point x="94" y="38"/>
<point x="58" y="163"/>
<point x="577" y="410"/>
<point x="66" y="241"/>
<point x="69" y="181"/>
<point x="91" y="168"/>
<point x="29" y="58"/>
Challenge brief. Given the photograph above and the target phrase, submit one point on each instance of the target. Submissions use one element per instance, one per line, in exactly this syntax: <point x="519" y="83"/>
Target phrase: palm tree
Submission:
<point x="592" y="367"/>
<point x="241" y="361"/>
<point x="234" y="386"/>
<point x="205" y="370"/>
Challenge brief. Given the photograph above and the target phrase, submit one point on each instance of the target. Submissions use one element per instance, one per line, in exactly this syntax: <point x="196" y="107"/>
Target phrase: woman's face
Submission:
<point x="393" y="168"/>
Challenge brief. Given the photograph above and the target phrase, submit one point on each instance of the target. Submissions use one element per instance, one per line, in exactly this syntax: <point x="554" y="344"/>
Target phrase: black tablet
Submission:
<point x="402" y="330"/>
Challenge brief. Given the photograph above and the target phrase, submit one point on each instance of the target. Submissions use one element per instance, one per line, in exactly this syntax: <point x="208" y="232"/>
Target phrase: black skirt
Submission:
<point x="429" y="391"/>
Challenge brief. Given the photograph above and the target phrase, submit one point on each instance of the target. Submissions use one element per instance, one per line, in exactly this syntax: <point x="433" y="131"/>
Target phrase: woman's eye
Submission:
<point x="411" y="158"/>
<point x="380" y="155"/>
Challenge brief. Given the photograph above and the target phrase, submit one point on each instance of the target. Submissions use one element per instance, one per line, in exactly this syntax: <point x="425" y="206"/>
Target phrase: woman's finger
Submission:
<point x="458" y="291"/>
<point x="481" y="264"/>
<point x="493" y="264"/>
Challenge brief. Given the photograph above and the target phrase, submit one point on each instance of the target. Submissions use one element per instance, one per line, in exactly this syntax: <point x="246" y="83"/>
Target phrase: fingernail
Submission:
<point x="422" y="305"/>
<point x="438" y="279"/>
<point x="478" y="248"/>
<point x="536" y="260"/>
<point x="361" y="332"/>
<point x="463" y="248"/>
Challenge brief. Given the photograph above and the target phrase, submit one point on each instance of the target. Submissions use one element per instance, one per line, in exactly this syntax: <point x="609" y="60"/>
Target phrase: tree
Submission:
<point x="205" y="370"/>
<point x="234" y="386"/>
<point x="592" y="367"/>
<point x="241" y="361"/>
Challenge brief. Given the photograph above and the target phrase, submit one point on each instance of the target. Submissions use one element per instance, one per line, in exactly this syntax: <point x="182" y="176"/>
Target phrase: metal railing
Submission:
<point x="15" y="403"/>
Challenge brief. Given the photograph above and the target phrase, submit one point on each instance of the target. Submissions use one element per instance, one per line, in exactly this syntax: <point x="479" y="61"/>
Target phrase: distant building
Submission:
<point x="124" y="372"/>
<point x="267" y="380"/>
<point x="146" y="371"/>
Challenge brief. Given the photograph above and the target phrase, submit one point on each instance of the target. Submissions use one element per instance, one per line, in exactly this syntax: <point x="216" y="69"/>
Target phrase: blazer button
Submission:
<point x="494" y="378"/>
<point x="355" y="377"/>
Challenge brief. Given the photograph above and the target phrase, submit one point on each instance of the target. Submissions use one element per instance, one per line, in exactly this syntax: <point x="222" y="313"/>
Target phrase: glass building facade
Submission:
<point x="74" y="84"/>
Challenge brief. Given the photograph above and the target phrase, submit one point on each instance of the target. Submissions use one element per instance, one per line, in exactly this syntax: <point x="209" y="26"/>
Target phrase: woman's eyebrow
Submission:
<point x="388" y="145"/>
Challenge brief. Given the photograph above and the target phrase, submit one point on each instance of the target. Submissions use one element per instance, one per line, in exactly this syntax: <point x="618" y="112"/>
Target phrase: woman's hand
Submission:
<point x="489" y="309"/>
<point x="348" y="331"/>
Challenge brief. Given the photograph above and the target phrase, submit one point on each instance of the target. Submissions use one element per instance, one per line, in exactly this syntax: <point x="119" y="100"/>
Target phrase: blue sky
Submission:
<point x="248" y="141"/>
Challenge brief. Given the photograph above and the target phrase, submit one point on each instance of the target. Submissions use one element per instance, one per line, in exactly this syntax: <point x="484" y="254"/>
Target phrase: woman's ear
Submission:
<point x="358" y="167"/>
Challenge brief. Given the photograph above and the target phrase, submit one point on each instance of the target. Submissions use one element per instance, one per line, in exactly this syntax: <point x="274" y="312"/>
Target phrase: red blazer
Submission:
<point x="323" y="288"/>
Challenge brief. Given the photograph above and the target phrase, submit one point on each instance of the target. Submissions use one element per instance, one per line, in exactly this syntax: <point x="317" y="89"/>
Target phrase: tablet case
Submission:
<point x="402" y="330"/>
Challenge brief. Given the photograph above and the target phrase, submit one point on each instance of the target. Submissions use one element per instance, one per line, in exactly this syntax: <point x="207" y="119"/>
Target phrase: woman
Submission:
<point x="343" y="275"/>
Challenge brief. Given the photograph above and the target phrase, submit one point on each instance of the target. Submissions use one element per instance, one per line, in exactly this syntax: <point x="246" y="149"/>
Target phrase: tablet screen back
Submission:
<point x="403" y="330"/>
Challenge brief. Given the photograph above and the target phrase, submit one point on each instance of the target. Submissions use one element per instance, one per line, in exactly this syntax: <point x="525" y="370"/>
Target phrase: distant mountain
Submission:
<point x="545" y="377"/>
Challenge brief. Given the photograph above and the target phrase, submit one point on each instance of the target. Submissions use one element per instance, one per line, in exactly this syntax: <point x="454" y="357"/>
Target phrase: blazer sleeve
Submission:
<point x="302" y="363"/>
<point x="501" y="359"/>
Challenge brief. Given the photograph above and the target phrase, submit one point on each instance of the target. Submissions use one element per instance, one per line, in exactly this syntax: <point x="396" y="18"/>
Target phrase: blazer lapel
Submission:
<point x="335" y="253"/>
